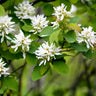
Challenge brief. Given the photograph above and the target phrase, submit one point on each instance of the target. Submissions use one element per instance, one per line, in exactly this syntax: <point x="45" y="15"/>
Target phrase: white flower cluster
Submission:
<point x="24" y="10"/>
<point x="3" y="69"/>
<point x="39" y="22"/>
<point x="21" y="40"/>
<point x="60" y="13"/>
<point x="88" y="36"/>
<point x="46" y="51"/>
<point x="6" y="26"/>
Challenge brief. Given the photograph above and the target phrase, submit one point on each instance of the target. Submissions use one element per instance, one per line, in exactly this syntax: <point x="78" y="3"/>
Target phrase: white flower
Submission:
<point x="60" y="13"/>
<point x="6" y="26"/>
<point x="24" y="10"/>
<point x="21" y="40"/>
<point x="46" y="51"/>
<point x="55" y="24"/>
<point x="3" y="69"/>
<point x="39" y="23"/>
<point x="87" y="36"/>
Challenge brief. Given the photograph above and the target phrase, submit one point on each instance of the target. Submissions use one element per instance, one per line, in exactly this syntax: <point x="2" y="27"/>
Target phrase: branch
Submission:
<point x="12" y="67"/>
<point x="80" y="78"/>
<point x="18" y="69"/>
<point x="67" y="50"/>
<point x="75" y="84"/>
<point x="20" y="79"/>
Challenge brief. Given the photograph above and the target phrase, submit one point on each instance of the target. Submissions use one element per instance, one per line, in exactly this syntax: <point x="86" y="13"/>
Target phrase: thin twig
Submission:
<point x="17" y="69"/>
<point x="67" y="50"/>
<point x="12" y="67"/>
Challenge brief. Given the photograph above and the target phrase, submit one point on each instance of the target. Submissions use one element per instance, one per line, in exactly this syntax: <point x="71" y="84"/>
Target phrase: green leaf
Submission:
<point x="10" y="36"/>
<point x="31" y="59"/>
<point x="67" y="3"/>
<point x="87" y="54"/>
<point x="16" y="2"/>
<point x="48" y="9"/>
<point x="60" y="67"/>
<point x="4" y="45"/>
<point x="33" y="37"/>
<point x="44" y="68"/>
<point x="46" y="31"/>
<point x="74" y="19"/>
<point x="36" y="73"/>
<point x="74" y="26"/>
<point x="70" y="36"/>
<point x="46" y="38"/>
<point x="94" y="54"/>
<point x="40" y="4"/>
<point x="8" y="4"/>
<point x="91" y="10"/>
<point x="34" y="46"/>
<point x="27" y="27"/>
<point x="11" y="50"/>
<point x="79" y="47"/>
<point x="74" y="1"/>
<point x="2" y="11"/>
<point x="10" y="83"/>
<point x="9" y="55"/>
<point x="3" y="86"/>
<point x="54" y="36"/>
